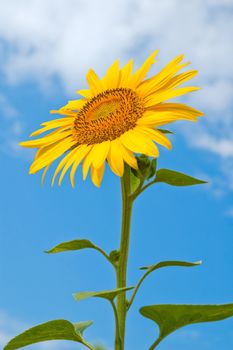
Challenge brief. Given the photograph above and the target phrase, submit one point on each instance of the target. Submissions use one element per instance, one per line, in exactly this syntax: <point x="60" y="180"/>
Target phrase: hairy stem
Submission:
<point x="127" y="204"/>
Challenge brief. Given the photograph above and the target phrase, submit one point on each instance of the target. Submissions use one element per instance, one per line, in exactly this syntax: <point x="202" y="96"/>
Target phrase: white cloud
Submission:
<point x="11" y="129"/>
<point x="222" y="90"/>
<point x="222" y="147"/>
<point x="7" y="110"/>
<point x="41" y="40"/>
<point x="64" y="37"/>
<point x="7" y="328"/>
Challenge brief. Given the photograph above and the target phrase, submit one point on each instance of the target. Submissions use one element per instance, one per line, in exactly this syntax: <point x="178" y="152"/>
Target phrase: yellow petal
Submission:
<point x="88" y="161"/>
<point x="177" y="108"/>
<point x="126" y="73"/>
<point x="167" y="95"/>
<point x="162" y="118"/>
<point x="128" y="157"/>
<point x="42" y="150"/>
<point x="141" y="73"/>
<point x="138" y="143"/>
<point x="73" y="105"/>
<point x="58" y="130"/>
<point x="115" y="159"/>
<point x="68" y="164"/>
<point x="112" y="77"/>
<point x="97" y="175"/>
<point x="59" y="121"/>
<point x="44" y="173"/>
<point x="157" y="81"/>
<point x="94" y="82"/>
<point x="155" y="135"/>
<point x="179" y="79"/>
<point x="52" y="154"/>
<point x="101" y="152"/>
<point x="63" y="162"/>
<point x="85" y="93"/>
<point x="45" y="140"/>
<point x="65" y="126"/>
<point x="80" y="156"/>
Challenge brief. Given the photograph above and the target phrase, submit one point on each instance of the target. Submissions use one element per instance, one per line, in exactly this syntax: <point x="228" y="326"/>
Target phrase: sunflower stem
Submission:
<point x="127" y="204"/>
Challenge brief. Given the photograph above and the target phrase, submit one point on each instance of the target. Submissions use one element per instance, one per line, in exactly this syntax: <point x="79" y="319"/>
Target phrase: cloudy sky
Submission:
<point x="45" y="49"/>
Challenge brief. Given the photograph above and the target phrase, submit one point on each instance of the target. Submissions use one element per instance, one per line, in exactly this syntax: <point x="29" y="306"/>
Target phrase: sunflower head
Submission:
<point x="115" y="119"/>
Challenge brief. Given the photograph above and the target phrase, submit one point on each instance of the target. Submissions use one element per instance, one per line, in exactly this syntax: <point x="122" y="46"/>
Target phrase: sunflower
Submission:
<point x="115" y="118"/>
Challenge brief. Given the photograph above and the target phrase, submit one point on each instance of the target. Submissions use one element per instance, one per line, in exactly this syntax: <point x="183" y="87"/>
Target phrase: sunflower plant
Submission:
<point x="119" y="121"/>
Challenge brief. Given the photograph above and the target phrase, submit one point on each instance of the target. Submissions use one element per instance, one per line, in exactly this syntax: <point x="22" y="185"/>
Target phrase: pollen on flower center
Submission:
<point x="107" y="116"/>
<point x="104" y="109"/>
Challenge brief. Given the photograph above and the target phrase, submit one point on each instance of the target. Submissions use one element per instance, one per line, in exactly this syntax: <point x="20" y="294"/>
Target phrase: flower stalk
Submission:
<point x="127" y="204"/>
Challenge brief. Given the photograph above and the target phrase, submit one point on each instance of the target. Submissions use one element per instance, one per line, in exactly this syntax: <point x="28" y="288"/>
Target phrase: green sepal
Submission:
<point x="134" y="181"/>
<point x="169" y="318"/>
<point x="152" y="170"/>
<point x="165" y="131"/>
<point x="176" y="178"/>
<point x="105" y="294"/>
<point x="146" y="168"/>
<point x="51" y="330"/>
<point x="170" y="263"/>
<point x="144" y="164"/>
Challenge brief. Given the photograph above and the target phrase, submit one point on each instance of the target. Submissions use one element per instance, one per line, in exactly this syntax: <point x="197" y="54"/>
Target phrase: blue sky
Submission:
<point x="45" y="50"/>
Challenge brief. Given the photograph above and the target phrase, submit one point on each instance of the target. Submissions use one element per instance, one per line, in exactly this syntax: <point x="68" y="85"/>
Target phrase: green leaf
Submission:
<point x="146" y="170"/>
<point x="144" y="165"/>
<point x="76" y="244"/>
<point x="170" y="263"/>
<point x="153" y="166"/>
<point x="134" y="182"/>
<point x="175" y="178"/>
<point x="52" y="330"/>
<point x="106" y="294"/>
<point x="172" y="317"/>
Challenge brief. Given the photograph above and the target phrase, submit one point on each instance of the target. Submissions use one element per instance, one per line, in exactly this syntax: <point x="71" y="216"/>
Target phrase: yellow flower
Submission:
<point x="116" y="117"/>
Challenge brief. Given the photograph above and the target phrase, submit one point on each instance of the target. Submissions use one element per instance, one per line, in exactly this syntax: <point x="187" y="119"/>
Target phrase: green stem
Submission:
<point x="127" y="204"/>
<point x="142" y="189"/>
<point x="117" y="330"/>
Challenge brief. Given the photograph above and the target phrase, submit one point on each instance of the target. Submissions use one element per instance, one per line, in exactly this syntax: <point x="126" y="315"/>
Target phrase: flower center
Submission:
<point x="107" y="116"/>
